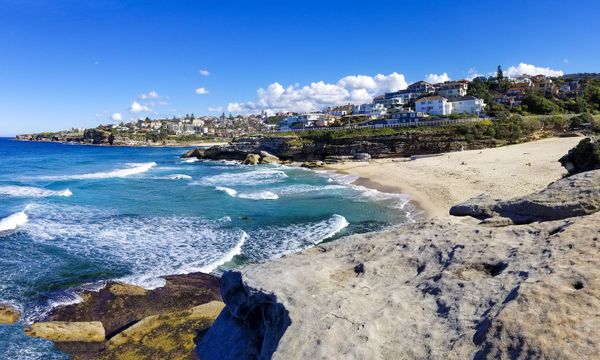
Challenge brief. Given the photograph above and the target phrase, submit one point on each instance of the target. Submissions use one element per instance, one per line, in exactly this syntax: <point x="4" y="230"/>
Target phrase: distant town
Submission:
<point x="421" y="103"/>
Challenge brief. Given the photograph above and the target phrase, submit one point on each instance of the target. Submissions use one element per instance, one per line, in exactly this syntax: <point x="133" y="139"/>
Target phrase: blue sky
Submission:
<point x="79" y="63"/>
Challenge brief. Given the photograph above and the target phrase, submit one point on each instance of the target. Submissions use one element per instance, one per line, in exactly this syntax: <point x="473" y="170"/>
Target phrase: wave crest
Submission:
<point x="30" y="191"/>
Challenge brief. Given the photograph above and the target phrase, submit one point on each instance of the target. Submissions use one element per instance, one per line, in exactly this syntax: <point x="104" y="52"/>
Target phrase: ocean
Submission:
<point x="73" y="216"/>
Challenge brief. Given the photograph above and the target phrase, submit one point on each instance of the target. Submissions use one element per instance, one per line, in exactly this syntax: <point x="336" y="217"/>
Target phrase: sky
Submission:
<point x="76" y="63"/>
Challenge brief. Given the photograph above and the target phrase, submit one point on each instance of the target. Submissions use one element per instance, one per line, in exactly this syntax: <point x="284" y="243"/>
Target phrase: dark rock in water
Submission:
<point x="194" y="153"/>
<point x="249" y="327"/>
<point x="576" y="195"/>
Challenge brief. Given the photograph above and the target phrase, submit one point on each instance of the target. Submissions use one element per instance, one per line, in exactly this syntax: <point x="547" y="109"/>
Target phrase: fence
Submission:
<point x="379" y="126"/>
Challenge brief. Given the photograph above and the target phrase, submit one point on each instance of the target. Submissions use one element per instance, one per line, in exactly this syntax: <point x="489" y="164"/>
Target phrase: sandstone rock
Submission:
<point x="9" y="314"/>
<point x="267" y="158"/>
<point x="479" y="207"/>
<point x="166" y="336"/>
<point x="252" y="159"/>
<point x="362" y="156"/>
<point x="60" y="331"/>
<point x="576" y="195"/>
<point x="442" y="289"/>
<point x="121" y="289"/>
<point x="312" y="164"/>
<point x="249" y="327"/>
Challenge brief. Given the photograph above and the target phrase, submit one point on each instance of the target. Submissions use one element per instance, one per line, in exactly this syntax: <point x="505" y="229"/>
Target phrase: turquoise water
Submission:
<point x="73" y="216"/>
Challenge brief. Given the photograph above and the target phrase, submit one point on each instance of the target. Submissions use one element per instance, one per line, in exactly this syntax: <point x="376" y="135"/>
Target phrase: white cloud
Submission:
<point x="151" y="95"/>
<point x="136" y="107"/>
<point x="527" y="69"/>
<point x="204" y="72"/>
<point x="215" y="108"/>
<point x="201" y="91"/>
<point x="116" y="117"/>
<point x="437" y="78"/>
<point x="472" y="74"/>
<point x="318" y="95"/>
<point x="566" y="61"/>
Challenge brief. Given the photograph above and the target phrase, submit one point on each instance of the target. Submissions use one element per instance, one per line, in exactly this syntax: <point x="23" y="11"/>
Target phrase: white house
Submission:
<point x="372" y="109"/>
<point x="434" y="105"/>
<point x="468" y="104"/>
<point x="304" y="120"/>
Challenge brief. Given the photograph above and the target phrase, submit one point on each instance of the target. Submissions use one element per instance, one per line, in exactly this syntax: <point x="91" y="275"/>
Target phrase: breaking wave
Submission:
<point x="13" y="221"/>
<point x="132" y="169"/>
<point x="30" y="191"/>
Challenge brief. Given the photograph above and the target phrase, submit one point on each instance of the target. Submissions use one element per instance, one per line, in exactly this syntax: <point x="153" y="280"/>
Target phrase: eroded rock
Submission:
<point x="576" y="195"/>
<point x="252" y="159"/>
<point x="62" y="331"/>
<point x="9" y="314"/>
<point x="249" y="327"/>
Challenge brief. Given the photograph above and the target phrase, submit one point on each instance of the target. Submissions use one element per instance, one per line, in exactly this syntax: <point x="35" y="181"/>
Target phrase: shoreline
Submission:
<point x="436" y="183"/>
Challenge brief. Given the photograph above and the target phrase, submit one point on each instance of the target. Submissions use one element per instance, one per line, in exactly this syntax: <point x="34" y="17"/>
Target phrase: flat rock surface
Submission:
<point x="443" y="289"/>
<point x="568" y="197"/>
<point x="61" y="331"/>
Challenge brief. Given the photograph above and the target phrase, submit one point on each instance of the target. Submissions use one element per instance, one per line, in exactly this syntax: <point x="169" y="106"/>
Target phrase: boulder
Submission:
<point x="249" y="327"/>
<point x="583" y="157"/>
<point x="264" y="154"/>
<point x="478" y="207"/>
<point x="312" y="164"/>
<point x="270" y="160"/>
<point x="9" y="314"/>
<point x="252" y="159"/>
<point x="61" y="331"/>
<point x="362" y="156"/>
<point x="576" y="195"/>
<point x="194" y="153"/>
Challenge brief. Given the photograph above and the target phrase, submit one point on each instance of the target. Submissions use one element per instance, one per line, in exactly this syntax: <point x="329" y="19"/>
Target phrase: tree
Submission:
<point x="539" y="105"/>
<point x="499" y="74"/>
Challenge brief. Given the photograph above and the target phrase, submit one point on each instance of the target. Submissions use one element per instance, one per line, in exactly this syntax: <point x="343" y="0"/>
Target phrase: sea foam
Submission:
<point x="30" y="191"/>
<point x="131" y="169"/>
<point x="13" y="221"/>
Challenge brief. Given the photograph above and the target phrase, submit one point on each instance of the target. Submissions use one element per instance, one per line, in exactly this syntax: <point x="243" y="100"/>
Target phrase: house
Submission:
<point x="433" y="105"/>
<point x="371" y="110"/>
<point x="468" y="104"/>
<point x="389" y="102"/>
<point x="504" y="100"/>
<point x="406" y="116"/>
<point x="340" y="110"/>
<point x="300" y="121"/>
<point x="452" y="90"/>
<point x="421" y="87"/>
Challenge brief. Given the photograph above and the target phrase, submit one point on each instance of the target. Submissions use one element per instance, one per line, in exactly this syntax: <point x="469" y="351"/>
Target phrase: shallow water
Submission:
<point x="74" y="216"/>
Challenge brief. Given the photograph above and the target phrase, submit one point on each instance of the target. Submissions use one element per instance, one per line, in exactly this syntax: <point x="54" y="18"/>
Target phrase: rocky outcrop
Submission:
<point x="296" y="148"/>
<point x="251" y="159"/>
<point x="576" y="195"/>
<point x="9" y="314"/>
<point x="158" y="323"/>
<point x="97" y="137"/>
<point x="441" y="289"/>
<point x="249" y="327"/>
<point x="193" y="153"/>
<point x="583" y="157"/>
<point x="61" y="331"/>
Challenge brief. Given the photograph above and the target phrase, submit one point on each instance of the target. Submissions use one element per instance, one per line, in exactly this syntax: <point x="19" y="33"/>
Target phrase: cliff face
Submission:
<point x="297" y="149"/>
<point x="449" y="288"/>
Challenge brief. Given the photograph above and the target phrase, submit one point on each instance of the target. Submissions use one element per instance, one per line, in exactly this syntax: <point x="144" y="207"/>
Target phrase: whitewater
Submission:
<point x="73" y="217"/>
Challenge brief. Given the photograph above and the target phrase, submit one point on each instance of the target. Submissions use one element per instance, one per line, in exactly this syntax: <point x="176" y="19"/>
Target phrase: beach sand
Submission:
<point x="436" y="183"/>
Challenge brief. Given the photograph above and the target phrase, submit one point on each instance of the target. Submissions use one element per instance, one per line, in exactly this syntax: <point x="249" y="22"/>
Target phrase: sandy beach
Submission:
<point x="436" y="183"/>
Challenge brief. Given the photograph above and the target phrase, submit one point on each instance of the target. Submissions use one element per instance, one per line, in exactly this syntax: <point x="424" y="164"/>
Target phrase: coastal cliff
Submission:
<point x="450" y="287"/>
<point x="324" y="148"/>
